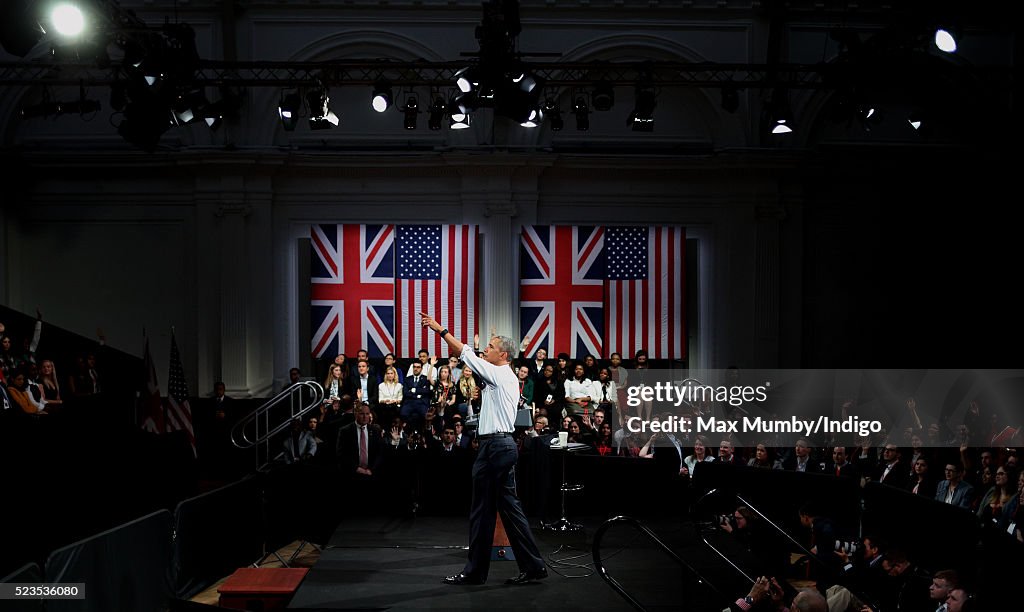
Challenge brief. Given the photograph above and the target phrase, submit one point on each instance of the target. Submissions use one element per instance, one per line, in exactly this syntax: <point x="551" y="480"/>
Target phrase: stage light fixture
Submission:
<point x="869" y="116"/>
<point x="945" y="40"/>
<point x="533" y="119"/>
<point x="67" y="20"/>
<point x="321" y="117"/>
<point x="554" y="115"/>
<point x="288" y="109"/>
<point x="186" y="106"/>
<point x="915" y="119"/>
<point x="582" y="112"/>
<point x="603" y="96"/>
<point x="458" y="113"/>
<point x="641" y="119"/>
<point x="467" y="79"/>
<point x="381" y="96"/>
<point x="411" y="110"/>
<point x="780" y="119"/>
<point x="436" y="114"/>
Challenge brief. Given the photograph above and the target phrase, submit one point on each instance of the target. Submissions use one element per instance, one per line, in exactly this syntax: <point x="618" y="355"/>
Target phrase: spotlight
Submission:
<point x="186" y="106"/>
<point x="67" y="20"/>
<point x="641" y="119"/>
<point x="381" y="96"/>
<point x="467" y="79"/>
<point x="603" y="96"/>
<point x="582" y="112"/>
<point x="730" y="99"/>
<point x="533" y="119"/>
<point x="945" y="40"/>
<point x="411" y="110"/>
<point x="436" y="114"/>
<point x="321" y="117"/>
<point x="869" y="116"/>
<point x="288" y="109"/>
<point x="780" y="117"/>
<point x="459" y="121"/>
<point x="458" y="113"/>
<point x="555" y="115"/>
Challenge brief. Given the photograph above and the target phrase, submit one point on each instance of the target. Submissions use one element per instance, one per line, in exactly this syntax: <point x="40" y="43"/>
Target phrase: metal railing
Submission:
<point x="240" y="434"/>
<point x="636" y="524"/>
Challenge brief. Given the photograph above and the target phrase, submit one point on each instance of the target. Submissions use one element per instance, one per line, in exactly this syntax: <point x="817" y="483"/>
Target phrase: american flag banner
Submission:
<point x="645" y="291"/>
<point x="435" y="272"/>
<point x="353" y="289"/>
<point x="561" y="289"/>
<point x="179" y="413"/>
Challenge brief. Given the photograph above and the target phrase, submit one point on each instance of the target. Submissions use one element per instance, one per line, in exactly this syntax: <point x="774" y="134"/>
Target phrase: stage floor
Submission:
<point x="397" y="564"/>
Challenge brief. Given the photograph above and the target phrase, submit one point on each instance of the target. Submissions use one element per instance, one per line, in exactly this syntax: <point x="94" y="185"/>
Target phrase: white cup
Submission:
<point x="563" y="439"/>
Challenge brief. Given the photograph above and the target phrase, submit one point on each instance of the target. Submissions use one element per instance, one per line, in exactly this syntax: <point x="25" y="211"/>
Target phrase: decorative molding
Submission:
<point x="233" y="209"/>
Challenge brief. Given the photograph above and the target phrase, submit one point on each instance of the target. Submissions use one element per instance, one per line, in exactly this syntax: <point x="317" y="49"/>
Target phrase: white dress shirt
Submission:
<point x="499" y="399"/>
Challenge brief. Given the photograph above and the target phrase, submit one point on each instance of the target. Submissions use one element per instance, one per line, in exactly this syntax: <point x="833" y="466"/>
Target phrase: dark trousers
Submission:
<point x="494" y="491"/>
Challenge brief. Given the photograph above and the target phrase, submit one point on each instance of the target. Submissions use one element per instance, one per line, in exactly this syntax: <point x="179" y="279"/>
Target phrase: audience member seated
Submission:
<point x="700" y="453"/>
<point x="801" y="460"/>
<point x="841" y="465"/>
<point x="467" y="394"/>
<point x="953" y="490"/>
<point x="389" y="394"/>
<point x="22" y="396"/>
<point x="415" y="396"/>
<point x="892" y="470"/>
<point x="923" y="483"/>
<point x="763" y="458"/>
<point x="444" y="395"/>
<point x="336" y="382"/>
<point x="299" y="445"/>
<point x="996" y="498"/>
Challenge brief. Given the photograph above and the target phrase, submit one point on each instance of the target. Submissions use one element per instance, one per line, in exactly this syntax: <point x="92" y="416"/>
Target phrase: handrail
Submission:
<point x="241" y="439"/>
<point x="635" y="523"/>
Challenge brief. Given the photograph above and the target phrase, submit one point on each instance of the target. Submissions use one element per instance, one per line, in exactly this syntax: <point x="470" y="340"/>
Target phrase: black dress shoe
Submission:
<point x="529" y="576"/>
<point x="462" y="579"/>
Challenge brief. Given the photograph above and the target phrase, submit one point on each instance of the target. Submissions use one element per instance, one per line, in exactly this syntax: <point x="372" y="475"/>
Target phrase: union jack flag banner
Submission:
<point x="603" y="290"/>
<point x="370" y="281"/>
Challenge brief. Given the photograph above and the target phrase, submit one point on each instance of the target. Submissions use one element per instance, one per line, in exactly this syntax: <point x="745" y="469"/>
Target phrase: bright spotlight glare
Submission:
<point x="68" y="20"/>
<point x="915" y="124"/>
<point x="945" y="41"/>
<point x="380" y="103"/>
<point x="781" y="128"/>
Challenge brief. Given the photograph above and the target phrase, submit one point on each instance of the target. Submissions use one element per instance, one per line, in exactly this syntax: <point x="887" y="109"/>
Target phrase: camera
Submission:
<point x="847" y="547"/>
<point x="727" y="519"/>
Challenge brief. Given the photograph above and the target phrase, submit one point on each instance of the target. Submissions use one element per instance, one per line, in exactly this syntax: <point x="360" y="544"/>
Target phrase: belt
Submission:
<point x="491" y="436"/>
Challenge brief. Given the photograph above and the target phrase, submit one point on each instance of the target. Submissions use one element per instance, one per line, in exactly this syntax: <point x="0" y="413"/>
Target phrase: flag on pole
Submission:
<point x="179" y="414"/>
<point x="150" y="406"/>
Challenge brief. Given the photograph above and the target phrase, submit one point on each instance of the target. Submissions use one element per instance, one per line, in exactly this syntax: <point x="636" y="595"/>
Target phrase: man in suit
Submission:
<point x="801" y="459"/>
<point x="360" y="447"/>
<point x="892" y="471"/>
<point x="365" y="386"/>
<point x="362" y="355"/>
<point x="840" y="465"/>
<point x="415" y="396"/>
<point x="953" y="490"/>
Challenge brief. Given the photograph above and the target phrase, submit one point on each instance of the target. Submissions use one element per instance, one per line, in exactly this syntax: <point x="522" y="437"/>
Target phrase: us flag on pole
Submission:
<point x="644" y="289"/>
<point x="179" y="414"/>
<point x="435" y="272"/>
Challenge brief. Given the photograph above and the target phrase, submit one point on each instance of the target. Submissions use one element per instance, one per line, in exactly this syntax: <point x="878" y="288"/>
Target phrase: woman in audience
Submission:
<point x="389" y="393"/>
<point x="443" y="398"/>
<point x="334" y="384"/>
<point x="699" y="455"/>
<point x="8" y="362"/>
<point x="390" y="361"/>
<point x="763" y="458"/>
<point x="922" y="483"/>
<point x="22" y="396"/>
<point x="991" y="505"/>
<point x="467" y="393"/>
<point x="603" y="443"/>
<point x="50" y="386"/>
<point x="605" y="393"/>
<point x="550" y="392"/>
<point x="590" y="367"/>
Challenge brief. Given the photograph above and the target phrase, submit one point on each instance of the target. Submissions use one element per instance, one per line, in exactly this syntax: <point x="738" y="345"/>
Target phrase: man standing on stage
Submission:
<point x="494" y="481"/>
